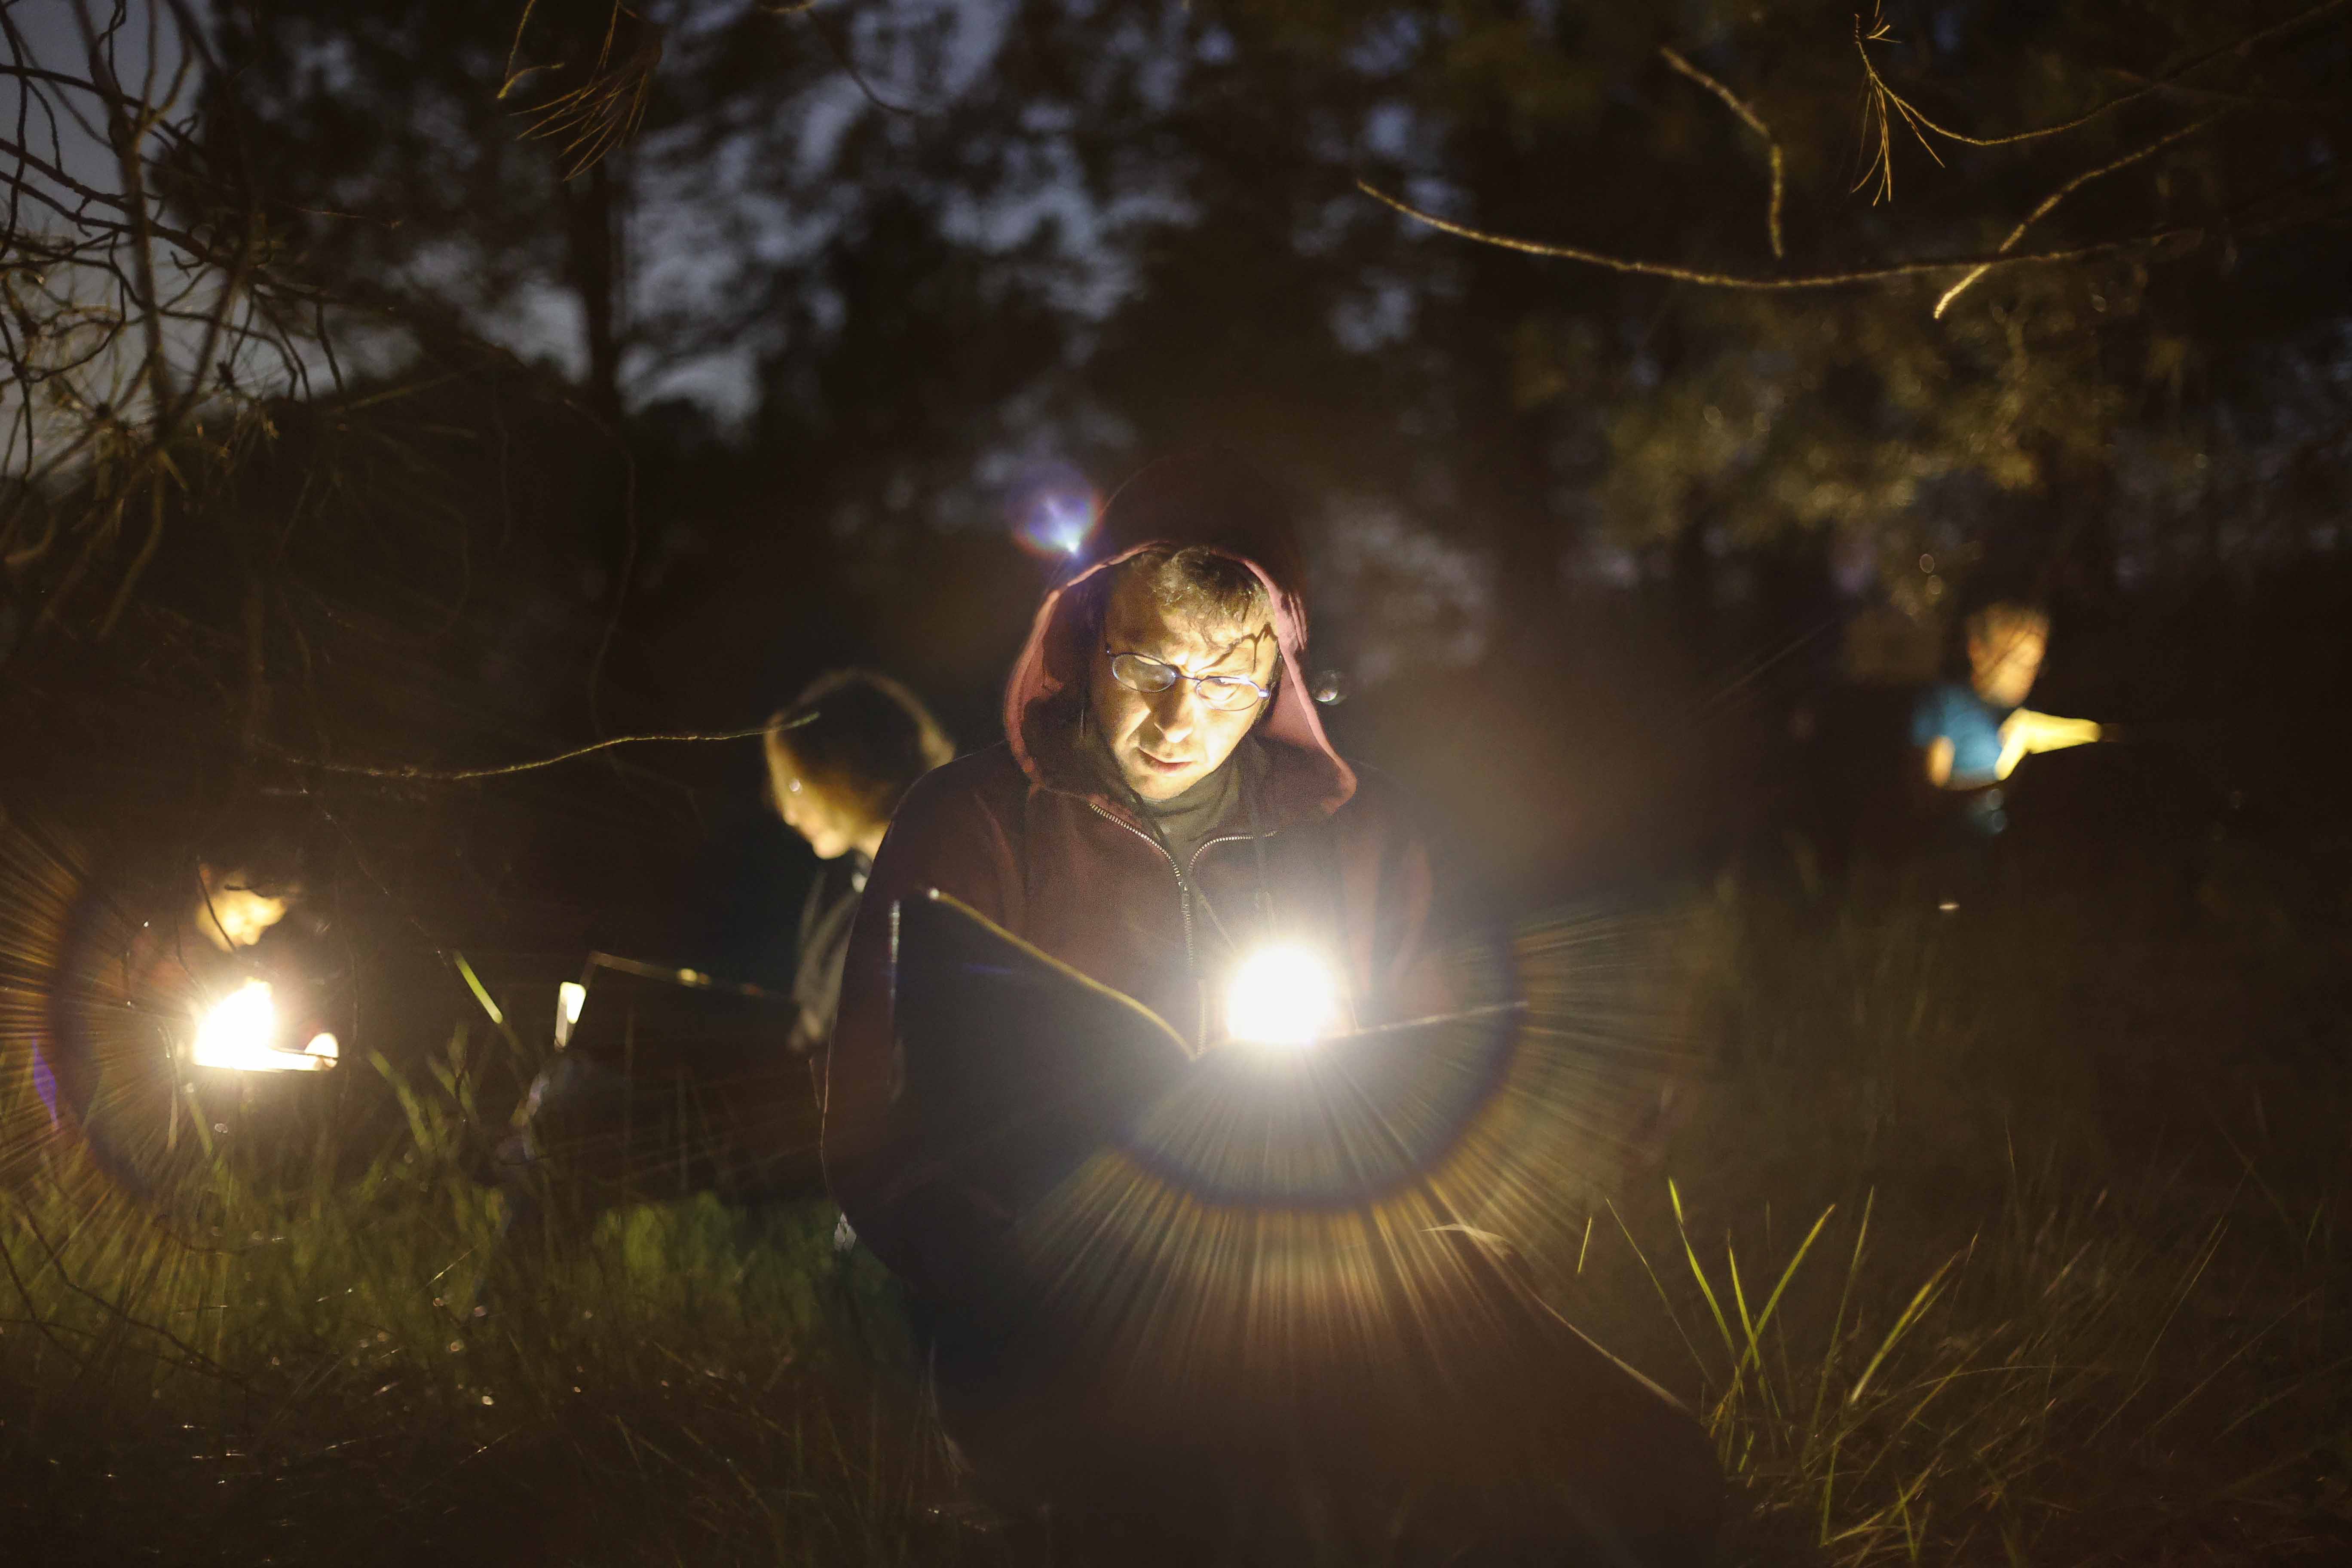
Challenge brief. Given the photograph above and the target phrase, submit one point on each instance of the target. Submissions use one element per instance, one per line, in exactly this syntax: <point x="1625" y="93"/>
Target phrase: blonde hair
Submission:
<point x="1192" y="583"/>
<point x="2005" y="620"/>
<point x="859" y="738"/>
<point x="1203" y="585"/>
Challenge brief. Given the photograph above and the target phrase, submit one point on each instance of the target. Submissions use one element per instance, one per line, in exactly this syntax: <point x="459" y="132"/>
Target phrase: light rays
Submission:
<point x="1280" y="1238"/>
<point x="116" y="1170"/>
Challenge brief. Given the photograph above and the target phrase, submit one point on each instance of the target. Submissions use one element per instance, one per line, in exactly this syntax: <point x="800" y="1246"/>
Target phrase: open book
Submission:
<point x="1018" y="1069"/>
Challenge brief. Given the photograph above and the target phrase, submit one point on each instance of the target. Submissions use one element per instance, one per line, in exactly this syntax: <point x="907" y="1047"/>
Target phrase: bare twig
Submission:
<point x="604" y="112"/>
<point x="1883" y="104"/>
<point x="1755" y="122"/>
<point x="1792" y="283"/>
<point x="196" y="1359"/>
<point x="407" y="773"/>
<point x="1881" y="107"/>
<point x="845" y="56"/>
<point x="2050" y="202"/>
<point x="111" y="304"/>
<point x="130" y="582"/>
<point x="126" y="133"/>
<point x="515" y="74"/>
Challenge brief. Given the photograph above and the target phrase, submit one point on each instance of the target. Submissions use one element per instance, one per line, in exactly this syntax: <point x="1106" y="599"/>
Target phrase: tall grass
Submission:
<point x="2065" y="1274"/>
<point x="1943" y="1280"/>
<point x="2086" y="1378"/>
<point x="360" y="1366"/>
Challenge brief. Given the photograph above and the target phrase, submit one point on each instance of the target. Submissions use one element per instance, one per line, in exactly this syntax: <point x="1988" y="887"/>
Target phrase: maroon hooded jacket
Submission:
<point x="1029" y="834"/>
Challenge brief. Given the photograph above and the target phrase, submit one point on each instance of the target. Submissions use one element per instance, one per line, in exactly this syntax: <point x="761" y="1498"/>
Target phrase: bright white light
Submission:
<point x="1281" y="995"/>
<point x="1053" y="509"/>
<point x="1065" y="520"/>
<point x="570" y="998"/>
<point x="241" y="1031"/>
<point x="323" y="1044"/>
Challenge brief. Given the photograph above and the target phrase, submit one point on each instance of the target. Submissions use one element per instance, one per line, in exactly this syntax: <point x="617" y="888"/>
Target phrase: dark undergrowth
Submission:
<point x="2009" y="1233"/>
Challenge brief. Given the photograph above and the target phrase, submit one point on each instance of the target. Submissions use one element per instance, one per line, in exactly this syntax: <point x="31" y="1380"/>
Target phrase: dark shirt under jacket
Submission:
<point x="825" y="921"/>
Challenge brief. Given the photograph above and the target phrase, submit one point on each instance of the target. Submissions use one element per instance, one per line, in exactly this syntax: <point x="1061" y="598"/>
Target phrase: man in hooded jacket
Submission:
<point x="1165" y="798"/>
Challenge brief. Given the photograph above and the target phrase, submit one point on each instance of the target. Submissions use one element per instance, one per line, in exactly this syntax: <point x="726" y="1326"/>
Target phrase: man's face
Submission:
<point x="2005" y="660"/>
<point x="1164" y="742"/>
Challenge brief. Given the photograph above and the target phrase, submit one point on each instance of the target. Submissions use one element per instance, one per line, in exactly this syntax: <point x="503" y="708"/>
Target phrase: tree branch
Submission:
<point x="2050" y="202"/>
<point x="406" y="773"/>
<point x="1882" y="105"/>
<point x="1755" y="122"/>
<point x="1792" y="283"/>
<point x="124" y="135"/>
<point x="1877" y="83"/>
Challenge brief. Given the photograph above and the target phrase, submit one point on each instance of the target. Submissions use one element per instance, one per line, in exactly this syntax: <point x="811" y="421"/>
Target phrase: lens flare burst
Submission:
<point x="1282" y="995"/>
<point x="1053" y="509"/>
<point x="130" y="1049"/>
<point x="240" y="1034"/>
<point x="1344" y="1249"/>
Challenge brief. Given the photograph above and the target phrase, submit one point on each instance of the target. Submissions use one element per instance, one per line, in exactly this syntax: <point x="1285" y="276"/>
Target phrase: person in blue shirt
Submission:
<point x="1971" y="736"/>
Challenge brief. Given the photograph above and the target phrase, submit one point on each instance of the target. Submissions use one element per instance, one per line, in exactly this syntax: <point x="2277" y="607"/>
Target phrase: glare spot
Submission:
<point x="1281" y="995"/>
<point x="1053" y="511"/>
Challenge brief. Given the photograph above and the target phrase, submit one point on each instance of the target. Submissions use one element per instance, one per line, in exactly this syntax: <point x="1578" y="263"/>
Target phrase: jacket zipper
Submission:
<point x="1183" y="886"/>
<point x="1228" y="838"/>
<point x="1183" y="874"/>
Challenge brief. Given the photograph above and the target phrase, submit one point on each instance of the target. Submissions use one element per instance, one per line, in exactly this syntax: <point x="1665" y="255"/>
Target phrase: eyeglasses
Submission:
<point x="1228" y="693"/>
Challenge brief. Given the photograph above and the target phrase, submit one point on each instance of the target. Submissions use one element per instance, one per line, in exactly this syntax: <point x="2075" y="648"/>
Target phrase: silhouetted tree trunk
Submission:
<point x="592" y="264"/>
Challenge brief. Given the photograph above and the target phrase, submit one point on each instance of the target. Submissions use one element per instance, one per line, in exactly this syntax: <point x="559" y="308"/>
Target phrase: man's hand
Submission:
<point x="2026" y="731"/>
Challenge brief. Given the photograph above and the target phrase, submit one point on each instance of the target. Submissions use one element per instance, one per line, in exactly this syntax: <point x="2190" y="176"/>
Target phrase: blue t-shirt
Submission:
<point x="1951" y="711"/>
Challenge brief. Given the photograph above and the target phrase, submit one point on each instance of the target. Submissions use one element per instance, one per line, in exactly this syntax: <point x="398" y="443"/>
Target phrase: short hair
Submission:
<point x="1196" y="583"/>
<point x="2006" y="618"/>
<point x="257" y="846"/>
<point x="861" y="738"/>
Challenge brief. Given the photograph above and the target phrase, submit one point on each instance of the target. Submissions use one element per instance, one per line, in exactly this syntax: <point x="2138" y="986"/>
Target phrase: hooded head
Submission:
<point x="1211" y="504"/>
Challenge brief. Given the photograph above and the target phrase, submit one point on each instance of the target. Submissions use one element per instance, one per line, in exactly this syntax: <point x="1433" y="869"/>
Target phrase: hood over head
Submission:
<point x="1212" y="498"/>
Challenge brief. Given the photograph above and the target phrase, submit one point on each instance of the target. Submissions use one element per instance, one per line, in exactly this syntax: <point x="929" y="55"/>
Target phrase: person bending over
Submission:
<point x="1165" y="796"/>
<point x="840" y="758"/>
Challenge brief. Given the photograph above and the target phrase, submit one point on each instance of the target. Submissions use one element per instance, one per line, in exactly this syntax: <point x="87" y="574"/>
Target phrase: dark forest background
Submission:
<point x="397" y="395"/>
<point x="630" y="365"/>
